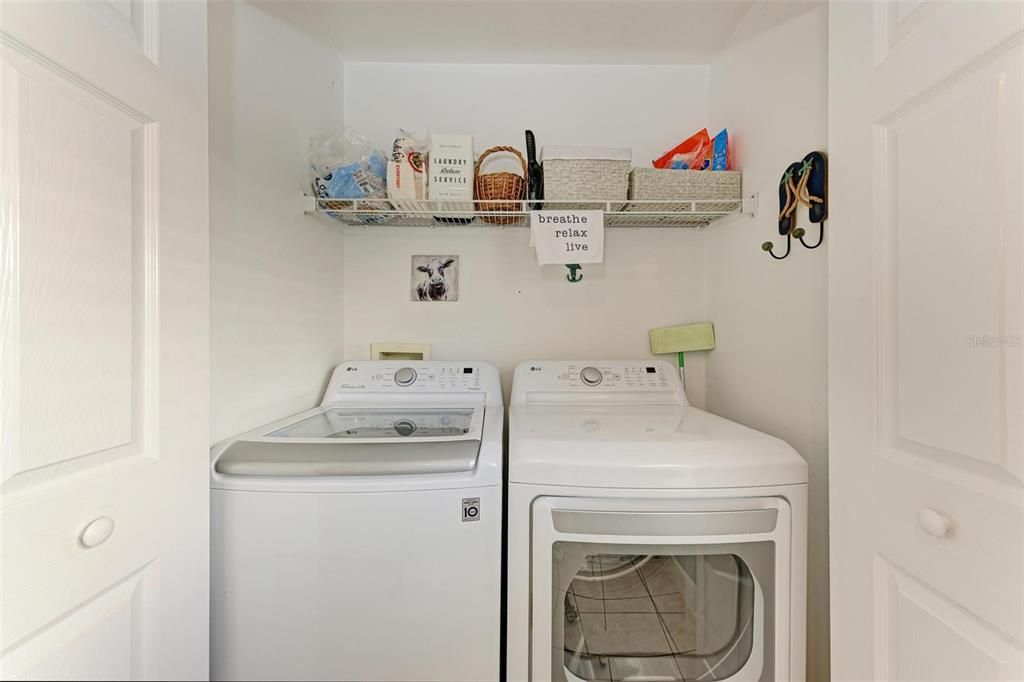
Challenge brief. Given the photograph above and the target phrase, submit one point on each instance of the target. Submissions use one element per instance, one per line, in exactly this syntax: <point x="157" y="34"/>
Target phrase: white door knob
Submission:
<point x="97" y="532"/>
<point x="934" y="523"/>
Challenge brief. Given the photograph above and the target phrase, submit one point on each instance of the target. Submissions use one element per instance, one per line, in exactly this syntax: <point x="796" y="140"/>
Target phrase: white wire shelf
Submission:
<point x="690" y="213"/>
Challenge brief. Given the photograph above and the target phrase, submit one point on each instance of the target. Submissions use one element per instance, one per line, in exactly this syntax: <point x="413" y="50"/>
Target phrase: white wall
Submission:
<point x="510" y="309"/>
<point x="647" y="108"/>
<point x="276" y="276"/>
<point x="769" y="86"/>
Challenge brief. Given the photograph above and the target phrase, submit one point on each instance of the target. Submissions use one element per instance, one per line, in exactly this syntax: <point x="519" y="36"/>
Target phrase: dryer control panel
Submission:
<point x="594" y="377"/>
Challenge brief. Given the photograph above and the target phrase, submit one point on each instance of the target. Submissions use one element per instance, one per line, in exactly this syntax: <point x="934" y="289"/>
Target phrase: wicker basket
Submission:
<point x="574" y="175"/>
<point x="656" y="184"/>
<point x="500" y="192"/>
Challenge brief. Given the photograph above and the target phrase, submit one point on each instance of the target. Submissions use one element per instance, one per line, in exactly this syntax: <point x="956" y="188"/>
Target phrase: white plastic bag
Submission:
<point x="346" y="166"/>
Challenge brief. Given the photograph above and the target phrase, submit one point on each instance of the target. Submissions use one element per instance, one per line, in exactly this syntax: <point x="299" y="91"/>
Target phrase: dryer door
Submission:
<point x="660" y="589"/>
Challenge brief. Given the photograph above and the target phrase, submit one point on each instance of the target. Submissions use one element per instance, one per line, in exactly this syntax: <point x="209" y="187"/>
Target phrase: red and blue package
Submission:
<point x="720" y="151"/>
<point x="690" y="153"/>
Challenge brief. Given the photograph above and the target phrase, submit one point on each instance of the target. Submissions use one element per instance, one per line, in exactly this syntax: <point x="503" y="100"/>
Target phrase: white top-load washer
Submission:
<point x="361" y="540"/>
<point x="648" y="539"/>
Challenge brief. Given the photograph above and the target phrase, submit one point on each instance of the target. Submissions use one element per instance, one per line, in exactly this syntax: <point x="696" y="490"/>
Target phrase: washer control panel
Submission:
<point x="409" y="377"/>
<point x="605" y="376"/>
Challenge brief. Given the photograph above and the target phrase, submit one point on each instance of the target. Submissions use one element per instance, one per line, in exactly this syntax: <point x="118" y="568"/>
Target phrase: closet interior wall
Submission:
<point x="769" y="85"/>
<point x="276" y="276"/>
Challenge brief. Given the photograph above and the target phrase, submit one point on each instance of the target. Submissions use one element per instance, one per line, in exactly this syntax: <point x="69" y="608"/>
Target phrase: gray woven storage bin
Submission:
<point x="570" y="180"/>
<point x="657" y="184"/>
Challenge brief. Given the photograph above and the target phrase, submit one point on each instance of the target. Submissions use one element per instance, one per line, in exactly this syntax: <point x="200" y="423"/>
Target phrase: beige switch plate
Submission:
<point x="399" y="351"/>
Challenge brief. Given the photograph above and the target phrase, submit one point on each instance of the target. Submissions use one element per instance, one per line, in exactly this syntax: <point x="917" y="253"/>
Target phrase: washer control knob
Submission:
<point x="405" y="376"/>
<point x="591" y="376"/>
<point x="404" y="427"/>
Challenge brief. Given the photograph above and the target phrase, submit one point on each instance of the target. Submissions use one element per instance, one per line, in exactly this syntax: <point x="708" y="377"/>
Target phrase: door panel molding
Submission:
<point x="906" y="608"/>
<point x="39" y="655"/>
<point x="968" y="231"/>
<point x="45" y="100"/>
<point x="137" y="19"/>
<point x="24" y="57"/>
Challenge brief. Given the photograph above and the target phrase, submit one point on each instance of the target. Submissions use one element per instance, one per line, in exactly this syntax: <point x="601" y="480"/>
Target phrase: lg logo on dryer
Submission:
<point x="470" y="509"/>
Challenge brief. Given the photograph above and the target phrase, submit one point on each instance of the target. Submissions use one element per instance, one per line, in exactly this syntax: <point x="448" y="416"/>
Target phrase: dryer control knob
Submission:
<point x="405" y="376"/>
<point x="591" y="376"/>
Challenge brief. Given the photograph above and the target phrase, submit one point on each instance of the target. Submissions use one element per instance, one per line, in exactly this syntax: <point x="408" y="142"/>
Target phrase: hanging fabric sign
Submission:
<point x="563" y="237"/>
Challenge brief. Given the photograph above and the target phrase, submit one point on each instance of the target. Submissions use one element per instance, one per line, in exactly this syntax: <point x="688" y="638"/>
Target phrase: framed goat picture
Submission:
<point x="435" y="278"/>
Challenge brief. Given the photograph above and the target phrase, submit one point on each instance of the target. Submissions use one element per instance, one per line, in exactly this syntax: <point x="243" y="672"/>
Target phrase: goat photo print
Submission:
<point x="435" y="278"/>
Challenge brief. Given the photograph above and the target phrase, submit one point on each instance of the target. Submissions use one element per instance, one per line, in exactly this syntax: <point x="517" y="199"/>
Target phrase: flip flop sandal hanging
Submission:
<point x="812" y="192"/>
<point x="788" y="202"/>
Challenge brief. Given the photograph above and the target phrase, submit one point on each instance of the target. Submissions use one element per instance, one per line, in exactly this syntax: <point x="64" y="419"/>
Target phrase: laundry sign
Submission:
<point x="563" y="237"/>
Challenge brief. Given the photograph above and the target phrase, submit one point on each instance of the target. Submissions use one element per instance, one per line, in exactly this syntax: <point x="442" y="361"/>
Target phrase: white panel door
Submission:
<point x="926" y="386"/>
<point x="104" y="340"/>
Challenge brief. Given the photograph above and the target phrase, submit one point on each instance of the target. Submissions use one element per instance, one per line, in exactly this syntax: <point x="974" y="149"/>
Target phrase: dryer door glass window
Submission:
<point x="660" y="613"/>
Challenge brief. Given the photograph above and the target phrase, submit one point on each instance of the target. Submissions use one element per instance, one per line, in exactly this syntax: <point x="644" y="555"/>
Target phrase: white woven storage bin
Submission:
<point x="680" y="185"/>
<point x="572" y="174"/>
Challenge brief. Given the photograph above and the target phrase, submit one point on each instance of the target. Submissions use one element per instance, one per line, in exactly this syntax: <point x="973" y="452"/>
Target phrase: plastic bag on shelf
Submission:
<point x="693" y="153"/>
<point x="346" y="166"/>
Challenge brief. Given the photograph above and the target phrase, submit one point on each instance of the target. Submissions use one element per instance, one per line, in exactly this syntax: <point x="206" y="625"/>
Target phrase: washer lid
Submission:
<point x="644" y="446"/>
<point x="357" y="441"/>
<point x="400" y="423"/>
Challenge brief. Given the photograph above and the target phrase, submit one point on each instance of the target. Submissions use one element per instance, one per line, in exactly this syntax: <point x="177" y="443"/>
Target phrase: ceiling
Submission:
<point x="517" y="31"/>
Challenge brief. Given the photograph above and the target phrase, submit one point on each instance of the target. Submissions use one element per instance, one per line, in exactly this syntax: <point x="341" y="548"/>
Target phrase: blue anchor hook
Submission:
<point x="573" y="275"/>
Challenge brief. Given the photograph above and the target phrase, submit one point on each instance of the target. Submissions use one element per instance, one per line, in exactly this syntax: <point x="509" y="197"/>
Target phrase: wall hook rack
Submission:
<point x="769" y="246"/>
<point x="812" y="192"/>
<point x="575" y="272"/>
<point x="800" y="232"/>
<point x="788" y="202"/>
<point x="805" y="183"/>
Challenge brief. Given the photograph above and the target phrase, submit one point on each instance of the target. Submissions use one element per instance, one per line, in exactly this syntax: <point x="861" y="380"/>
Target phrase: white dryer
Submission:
<point x="361" y="540"/>
<point x="648" y="539"/>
